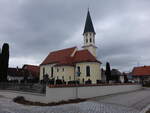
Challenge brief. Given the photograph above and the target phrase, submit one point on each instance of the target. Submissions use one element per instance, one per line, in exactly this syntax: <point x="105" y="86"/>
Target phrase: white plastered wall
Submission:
<point x="95" y="72"/>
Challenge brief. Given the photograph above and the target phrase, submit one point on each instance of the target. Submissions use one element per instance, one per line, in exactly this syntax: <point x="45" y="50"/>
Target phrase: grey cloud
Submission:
<point x="33" y="28"/>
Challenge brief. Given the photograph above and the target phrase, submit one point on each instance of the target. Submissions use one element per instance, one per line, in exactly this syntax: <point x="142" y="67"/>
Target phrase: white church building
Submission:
<point x="72" y="64"/>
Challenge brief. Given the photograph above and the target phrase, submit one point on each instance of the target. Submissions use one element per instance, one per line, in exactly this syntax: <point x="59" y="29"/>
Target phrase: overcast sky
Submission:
<point x="33" y="28"/>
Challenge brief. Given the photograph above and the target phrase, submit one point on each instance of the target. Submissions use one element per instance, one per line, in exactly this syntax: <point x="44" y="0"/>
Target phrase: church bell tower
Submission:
<point x="89" y="35"/>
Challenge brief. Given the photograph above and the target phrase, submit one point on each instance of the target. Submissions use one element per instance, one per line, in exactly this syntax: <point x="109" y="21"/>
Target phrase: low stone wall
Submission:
<point x="57" y="93"/>
<point x="29" y="96"/>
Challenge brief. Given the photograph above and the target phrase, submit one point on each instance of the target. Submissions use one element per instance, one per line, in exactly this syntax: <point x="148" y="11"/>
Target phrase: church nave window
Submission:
<point x="87" y="70"/>
<point x="78" y="71"/>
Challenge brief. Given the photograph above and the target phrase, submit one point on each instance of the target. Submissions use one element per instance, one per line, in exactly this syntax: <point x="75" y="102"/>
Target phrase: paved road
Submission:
<point x="131" y="102"/>
<point x="135" y="100"/>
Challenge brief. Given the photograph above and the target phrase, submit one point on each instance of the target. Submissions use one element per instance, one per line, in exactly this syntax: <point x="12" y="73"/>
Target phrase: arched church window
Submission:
<point x="87" y="70"/>
<point x="78" y="70"/>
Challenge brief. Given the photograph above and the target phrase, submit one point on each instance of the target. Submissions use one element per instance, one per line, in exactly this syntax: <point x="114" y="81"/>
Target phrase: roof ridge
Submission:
<point x="82" y="50"/>
<point x="63" y="49"/>
<point x="141" y="66"/>
<point x="30" y="65"/>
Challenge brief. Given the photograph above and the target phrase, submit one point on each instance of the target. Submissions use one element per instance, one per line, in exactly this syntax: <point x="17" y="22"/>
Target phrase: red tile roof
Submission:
<point x="63" y="57"/>
<point x="59" y="56"/>
<point x="141" y="71"/>
<point x="18" y="72"/>
<point x="34" y="70"/>
<point x="84" y="56"/>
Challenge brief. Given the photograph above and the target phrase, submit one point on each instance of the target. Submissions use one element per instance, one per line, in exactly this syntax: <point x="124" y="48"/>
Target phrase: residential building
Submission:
<point x="116" y="76"/>
<point x="28" y="72"/>
<point x="17" y="74"/>
<point x="33" y="70"/>
<point x="141" y="74"/>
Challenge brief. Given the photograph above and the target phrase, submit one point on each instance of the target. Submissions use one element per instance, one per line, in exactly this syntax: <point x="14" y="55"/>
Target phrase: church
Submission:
<point x="72" y="64"/>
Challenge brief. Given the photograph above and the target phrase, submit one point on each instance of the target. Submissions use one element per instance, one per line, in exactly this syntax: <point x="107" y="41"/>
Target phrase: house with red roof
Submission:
<point x="28" y="72"/>
<point x="33" y="70"/>
<point x="141" y="73"/>
<point x="72" y="64"/>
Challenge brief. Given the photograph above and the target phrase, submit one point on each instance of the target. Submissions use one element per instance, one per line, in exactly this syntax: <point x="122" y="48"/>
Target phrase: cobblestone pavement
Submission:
<point x="121" y="103"/>
<point x="136" y="100"/>
<point x="7" y="106"/>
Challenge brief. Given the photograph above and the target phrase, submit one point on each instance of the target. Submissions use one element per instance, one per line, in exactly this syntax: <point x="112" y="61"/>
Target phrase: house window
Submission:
<point x="87" y="70"/>
<point x="52" y="71"/>
<point x="63" y="77"/>
<point x="78" y="71"/>
<point x="83" y="80"/>
<point x="86" y="40"/>
<point x="90" y="40"/>
<point x="43" y="71"/>
<point x="69" y="77"/>
<point x="57" y="70"/>
<point x="63" y="69"/>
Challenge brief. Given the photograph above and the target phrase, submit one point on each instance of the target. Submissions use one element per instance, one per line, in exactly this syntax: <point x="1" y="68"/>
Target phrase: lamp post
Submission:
<point x="77" y="74"/>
